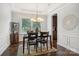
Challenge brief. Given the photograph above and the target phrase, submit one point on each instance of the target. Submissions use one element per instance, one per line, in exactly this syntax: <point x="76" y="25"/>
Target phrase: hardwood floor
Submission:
<point x="11" y="51"/>
<point x="61" y="51"/>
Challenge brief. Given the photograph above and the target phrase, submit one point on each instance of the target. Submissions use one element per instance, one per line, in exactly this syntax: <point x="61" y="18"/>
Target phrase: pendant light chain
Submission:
<point x="36" y="12"/>
<point x="37" y="18"/>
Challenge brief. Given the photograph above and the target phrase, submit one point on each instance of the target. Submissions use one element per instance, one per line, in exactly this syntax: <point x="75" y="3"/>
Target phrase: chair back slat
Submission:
<point x="32" y="36"/>
<point x="44" y="34"/>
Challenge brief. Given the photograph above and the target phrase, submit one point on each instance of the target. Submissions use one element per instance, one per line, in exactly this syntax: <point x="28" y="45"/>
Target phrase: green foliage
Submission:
<point x="26" y="25"/>
<point x="36" y="25"/>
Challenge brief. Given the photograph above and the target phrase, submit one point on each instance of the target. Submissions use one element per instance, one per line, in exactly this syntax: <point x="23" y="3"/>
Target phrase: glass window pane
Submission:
<point x="36" y="25"/>
<point x="26" y="25"/>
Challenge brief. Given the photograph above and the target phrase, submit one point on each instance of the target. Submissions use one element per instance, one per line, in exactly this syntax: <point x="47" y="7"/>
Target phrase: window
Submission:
<point x="36" y="25"/>
<point x="27" y="24"/>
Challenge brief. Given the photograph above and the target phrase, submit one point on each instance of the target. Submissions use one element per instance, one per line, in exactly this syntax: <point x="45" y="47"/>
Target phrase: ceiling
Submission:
<point x="32" y="8"/>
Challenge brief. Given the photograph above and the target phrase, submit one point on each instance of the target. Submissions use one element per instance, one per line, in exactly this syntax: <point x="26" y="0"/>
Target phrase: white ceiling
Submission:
<point x="31" y="8"/>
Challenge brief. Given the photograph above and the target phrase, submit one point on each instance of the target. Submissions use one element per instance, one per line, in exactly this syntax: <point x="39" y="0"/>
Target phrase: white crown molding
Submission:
<point x="42" y="8"/>
<point x="58" y="7"/>
<point x="48" y="10"/>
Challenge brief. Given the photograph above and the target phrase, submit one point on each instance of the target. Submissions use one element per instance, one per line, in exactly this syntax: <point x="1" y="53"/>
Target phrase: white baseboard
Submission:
<point x="68" y="47"/>
<point x="4" y="48"/>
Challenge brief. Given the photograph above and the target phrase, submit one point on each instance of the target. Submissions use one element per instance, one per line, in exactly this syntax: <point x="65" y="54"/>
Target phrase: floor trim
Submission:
<point x="69" y="48"/>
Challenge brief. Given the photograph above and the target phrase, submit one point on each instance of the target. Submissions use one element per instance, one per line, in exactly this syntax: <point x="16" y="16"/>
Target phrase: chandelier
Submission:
<point x="37" y="18"/>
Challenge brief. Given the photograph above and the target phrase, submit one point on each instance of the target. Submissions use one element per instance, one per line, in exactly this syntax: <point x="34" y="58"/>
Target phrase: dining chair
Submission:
<point x="44" y="39"/>
<point x="32" y="40"/>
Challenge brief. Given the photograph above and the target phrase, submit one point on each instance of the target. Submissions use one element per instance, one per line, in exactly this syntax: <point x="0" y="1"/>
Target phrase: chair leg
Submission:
<point x="23" y="45"/>
<point x="43" y="44"/>
<point x="37" y="44"/>
<point x="36" y="48"/>
<point x="27" y="46"/>
<point x="28" y="49"/>
<point x="47" y="45"/>
<point x="23" y="48"/>
<point x="41" y="47"/>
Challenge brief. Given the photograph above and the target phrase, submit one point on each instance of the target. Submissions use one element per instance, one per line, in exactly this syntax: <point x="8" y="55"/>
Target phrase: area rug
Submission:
<point x="33" y="51"/>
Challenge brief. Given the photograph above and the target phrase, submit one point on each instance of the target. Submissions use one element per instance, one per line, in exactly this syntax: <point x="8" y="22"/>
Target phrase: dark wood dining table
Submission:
<point x="26" y="37"/>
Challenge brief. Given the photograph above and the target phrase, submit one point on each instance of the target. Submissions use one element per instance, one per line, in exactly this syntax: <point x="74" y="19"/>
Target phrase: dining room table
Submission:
<point x="25" y="37"/>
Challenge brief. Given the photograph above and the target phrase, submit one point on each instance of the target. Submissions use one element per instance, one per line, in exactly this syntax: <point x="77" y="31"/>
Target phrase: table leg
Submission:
<point x="50" y="42"/>
<point x="23" y="44"/>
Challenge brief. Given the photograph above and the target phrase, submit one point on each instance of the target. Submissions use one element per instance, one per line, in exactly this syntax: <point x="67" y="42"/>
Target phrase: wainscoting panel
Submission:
<point x="69" y="41"/>
<point x="74" y="42"/>
<point x="62" y="39"/>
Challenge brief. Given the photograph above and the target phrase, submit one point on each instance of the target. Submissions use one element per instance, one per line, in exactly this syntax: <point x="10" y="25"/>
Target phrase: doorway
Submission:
<point x="54" y="30"/>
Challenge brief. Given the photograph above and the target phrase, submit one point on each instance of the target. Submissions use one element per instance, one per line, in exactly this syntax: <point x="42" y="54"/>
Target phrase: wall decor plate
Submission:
<point x="70" y="22"/>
